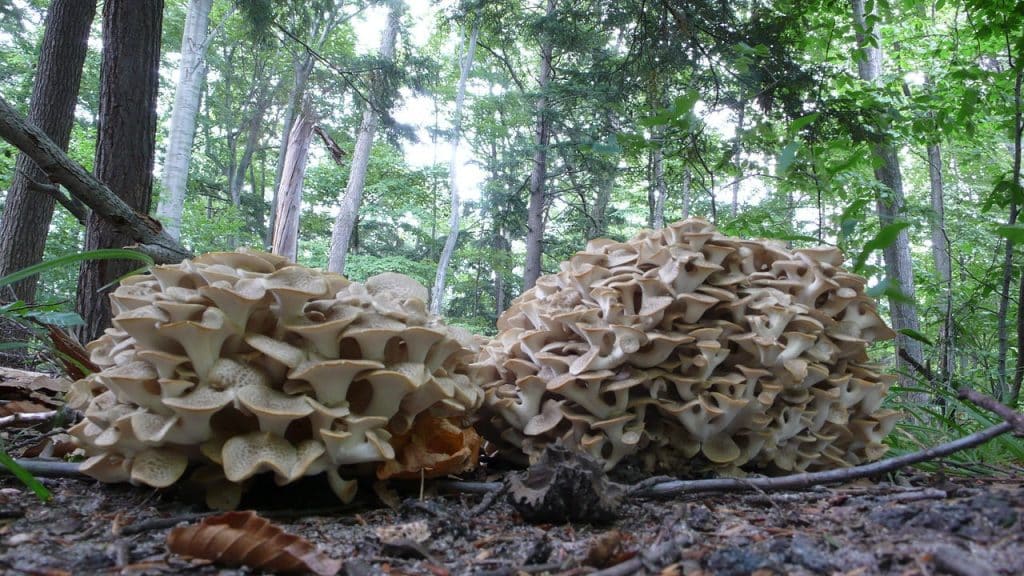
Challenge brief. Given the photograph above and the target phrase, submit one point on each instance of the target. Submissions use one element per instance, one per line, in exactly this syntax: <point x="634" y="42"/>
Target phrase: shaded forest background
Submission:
<point x="891" y="129"/>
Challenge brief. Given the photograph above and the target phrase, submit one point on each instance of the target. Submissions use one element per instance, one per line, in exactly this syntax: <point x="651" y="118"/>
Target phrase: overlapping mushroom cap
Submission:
<point x="689" y="348"/>
<point x="248" y="363"/>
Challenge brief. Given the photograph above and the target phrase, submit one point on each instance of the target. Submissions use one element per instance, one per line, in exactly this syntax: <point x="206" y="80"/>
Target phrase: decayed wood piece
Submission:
<point x="61" y="169"/>
<point x="244" y="538"/>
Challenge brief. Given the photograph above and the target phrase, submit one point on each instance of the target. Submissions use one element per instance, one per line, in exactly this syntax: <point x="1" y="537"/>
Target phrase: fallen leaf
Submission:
<point x="433" y="447"/>
<point x="246" y="539"/>
<point x="564" y="485"/>
<point x="603" y="548"/>
<point x="417" y="531"/>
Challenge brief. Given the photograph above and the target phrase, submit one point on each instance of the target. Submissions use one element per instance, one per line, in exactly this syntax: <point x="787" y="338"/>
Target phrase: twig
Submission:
<point x="676" y="487"/>
<point x="54" y="468"/>
<point x="488" y="500"/>
<point x="920" y="368"/>
<point x="1014" y="418"/>
<point x="19" y="417"/>
<point x="468" y="487"/>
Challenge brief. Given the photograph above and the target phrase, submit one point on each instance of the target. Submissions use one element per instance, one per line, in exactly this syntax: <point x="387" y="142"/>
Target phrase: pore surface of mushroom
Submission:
<point x="688" y="349"/>
<point x="243" y="363"/>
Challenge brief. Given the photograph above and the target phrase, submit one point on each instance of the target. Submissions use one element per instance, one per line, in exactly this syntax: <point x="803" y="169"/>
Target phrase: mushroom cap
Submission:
<point x="690" y="346"/>
<point x="248" y="363"/>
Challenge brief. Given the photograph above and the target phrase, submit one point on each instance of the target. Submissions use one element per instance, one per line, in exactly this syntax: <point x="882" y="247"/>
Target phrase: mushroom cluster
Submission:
<point x="690" y="350"/>
<point x="246" y="363"/>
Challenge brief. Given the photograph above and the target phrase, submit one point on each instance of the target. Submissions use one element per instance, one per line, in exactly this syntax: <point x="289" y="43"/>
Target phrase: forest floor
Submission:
<point x="912" y="523"/>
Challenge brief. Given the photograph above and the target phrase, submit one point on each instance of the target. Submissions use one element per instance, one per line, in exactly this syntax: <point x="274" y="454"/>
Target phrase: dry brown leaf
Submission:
<point x="434" y="447"/>
<point x="246" y="539"/>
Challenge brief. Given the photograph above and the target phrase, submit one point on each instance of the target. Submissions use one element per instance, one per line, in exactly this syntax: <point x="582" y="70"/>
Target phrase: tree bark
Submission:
<point x="182" y="132"/>
<point x="286" y="230"/>
<point x="345" y="223"/>
<point x="27" y="212"/>
<point x="126" y="138"/>
<point x="898" y="264"/>
<point x="437" y="294"/>
<point x="538" y="177"/>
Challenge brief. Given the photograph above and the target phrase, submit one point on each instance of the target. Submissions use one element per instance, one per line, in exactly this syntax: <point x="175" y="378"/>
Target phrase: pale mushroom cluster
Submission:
<point x="689" y="349"/>
<point x="245" y="363"/>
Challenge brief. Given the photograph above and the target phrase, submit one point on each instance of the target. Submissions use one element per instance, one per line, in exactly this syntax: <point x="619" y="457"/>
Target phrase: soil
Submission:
<point x="912" y="523"/>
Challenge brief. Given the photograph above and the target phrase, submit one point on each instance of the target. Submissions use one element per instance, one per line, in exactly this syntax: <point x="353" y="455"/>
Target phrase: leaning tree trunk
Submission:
<point x="187" y="93"/>
<point x="437" y="294"/>
<point x="286" y="229"/>
<point x="303" y="67"/>
<point x="345" y="223"/>
<point x="126" y="138"/>
<point x="898" y="265"/>
<point x="538" y="177"/>
<point x="27" y="211"/>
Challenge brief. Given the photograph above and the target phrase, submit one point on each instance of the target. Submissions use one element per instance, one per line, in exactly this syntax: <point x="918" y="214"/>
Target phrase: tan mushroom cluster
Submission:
<point x="690" y="349"/>
<point x="246" y="363"/>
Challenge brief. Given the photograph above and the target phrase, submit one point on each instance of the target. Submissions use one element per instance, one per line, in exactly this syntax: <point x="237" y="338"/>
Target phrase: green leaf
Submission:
<point x="888" y="289"/>
<point x="915" y="335"/>
<point x="26" y="478"/>
<point x="1013" y="233"/>
<point x="62" y="319"/>
<point x="802" y="122"/>
<point x="786" y="157"/>
<point x="103" y="254"/>
<point x="885" y="238"/>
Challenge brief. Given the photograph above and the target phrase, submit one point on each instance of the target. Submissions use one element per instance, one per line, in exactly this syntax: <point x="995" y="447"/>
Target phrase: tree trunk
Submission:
<point x="1018" y="136"/>
<point x="943" y="264"/>
<point x="126" y="138"/>
<point x="27" y="212"/>
<point x="437" y="294"/>
<point x="538" y="177"/>
<point x="898" y="265"/>
<point x="286" y="230"/>
<point x="187" y="92"/>
<point x="737" y="149"/>
<point x="303" y="67"/>
<point x="660" y="188"/>
<point x="345" y="223"/>
<point x="687" y="182"/>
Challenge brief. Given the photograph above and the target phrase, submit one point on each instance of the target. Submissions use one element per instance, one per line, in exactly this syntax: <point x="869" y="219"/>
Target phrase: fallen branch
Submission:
<point x="1013" y="417"/>
<point x="806" y="479"/>
<point x="41" y="467"/>
<point x="19" y="417"/>
<point x="86" y="188"/>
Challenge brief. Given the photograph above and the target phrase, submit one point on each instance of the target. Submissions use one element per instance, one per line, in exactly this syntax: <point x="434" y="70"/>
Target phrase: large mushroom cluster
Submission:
<point x="690" y="349"/>
<point x="245" y="363"/>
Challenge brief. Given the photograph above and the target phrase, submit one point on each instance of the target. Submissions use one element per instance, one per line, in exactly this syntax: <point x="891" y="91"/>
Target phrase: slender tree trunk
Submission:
<point x="302" y="68"/>
<point x="943" y="264"/>
<point x="898" y="264"/>
<point x="598" y="217"/>
<point x="437" y="294"/>
<point x="1018" y="136"/>
<point x="687" y="182"/>
<point x="737" y="149"/>
<point x="126" y="138"/>
<point x="286" y="231"/>
<point x="660" y="187"/>
<point x="187" y="92"/>
<point x="27" y="212"/>
<point x="345" y="223"/>
<point x="538" y="177"/>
